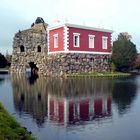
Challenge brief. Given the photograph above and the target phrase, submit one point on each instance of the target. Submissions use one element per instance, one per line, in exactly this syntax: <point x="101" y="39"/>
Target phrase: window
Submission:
<point x="91" y="41"/>
<point x="38" y="49"/>
<point x="91" y="59"/>
<point x="104" y="42"/>
<point x="21" y="48"/>
<point x="76" y="39"/>
<point x="55" y="41"/>
<point x="76" y="59"/>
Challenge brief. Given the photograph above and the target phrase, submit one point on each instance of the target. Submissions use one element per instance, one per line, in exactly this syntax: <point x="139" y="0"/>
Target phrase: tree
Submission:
<point x="8" y="58"/>
<point x="137" y="62"/>
<point x="124" y="52"/>
<point x="3" y="61"/>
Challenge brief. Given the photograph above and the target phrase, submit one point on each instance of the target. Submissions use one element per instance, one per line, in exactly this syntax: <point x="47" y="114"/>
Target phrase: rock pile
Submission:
<point x="30" y="46"/>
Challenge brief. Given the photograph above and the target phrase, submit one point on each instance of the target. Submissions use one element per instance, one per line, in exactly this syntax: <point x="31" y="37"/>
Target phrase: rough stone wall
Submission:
<point x="72" y="63"/>
<point x="30" y="39"/>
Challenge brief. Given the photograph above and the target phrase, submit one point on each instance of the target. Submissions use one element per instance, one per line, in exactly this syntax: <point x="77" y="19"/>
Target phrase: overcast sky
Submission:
<point x="118" y="15"/>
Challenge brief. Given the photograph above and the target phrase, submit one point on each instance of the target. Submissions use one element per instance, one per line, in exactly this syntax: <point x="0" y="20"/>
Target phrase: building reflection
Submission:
<point x="71" y="111"/>
<point x="63" y="101"/>
<point x="124" y="93"/>
<point x="1" y="80"/>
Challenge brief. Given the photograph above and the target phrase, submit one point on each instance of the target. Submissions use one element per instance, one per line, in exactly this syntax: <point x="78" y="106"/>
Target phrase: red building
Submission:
<point x="79" y="39"/>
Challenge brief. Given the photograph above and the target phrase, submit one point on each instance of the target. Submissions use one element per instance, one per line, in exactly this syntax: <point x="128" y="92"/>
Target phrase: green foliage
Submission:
<point x="8" y="58"/>
<point x="3" y="61"/>
<point x="113" y="67"/>
<point x="124" y="52"/>
<point x="137" y="62"/>
<point x="10" y="129"/>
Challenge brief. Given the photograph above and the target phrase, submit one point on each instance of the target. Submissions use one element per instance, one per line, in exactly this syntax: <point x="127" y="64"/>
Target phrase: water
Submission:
<point x="74" y="109"/>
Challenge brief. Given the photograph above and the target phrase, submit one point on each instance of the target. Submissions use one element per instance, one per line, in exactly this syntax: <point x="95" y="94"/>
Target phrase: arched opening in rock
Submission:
<point x="34" y="68"/>
<point x="38" y="49"/>
<point x="22" y="48"/>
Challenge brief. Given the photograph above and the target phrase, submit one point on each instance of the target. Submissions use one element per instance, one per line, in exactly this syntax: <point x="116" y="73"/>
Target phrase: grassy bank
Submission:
<point x="10" y="129"/>
<point x="100" y="74"/>
<point x="6" y="68"/>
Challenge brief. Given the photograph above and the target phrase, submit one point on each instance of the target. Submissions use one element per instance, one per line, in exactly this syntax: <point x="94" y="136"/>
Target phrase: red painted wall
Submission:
<point x="60" y="32"/>
<point x="60" y="112"/>
<point x="71" y="111"/>
<point x="84" y="40"/>
<point x="84" y="110"/>
<point x="51" y="110"/>
<point x="98" y="110"/>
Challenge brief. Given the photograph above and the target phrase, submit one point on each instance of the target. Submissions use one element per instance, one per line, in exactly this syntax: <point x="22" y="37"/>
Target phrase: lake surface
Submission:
<point x="74" y="109"/>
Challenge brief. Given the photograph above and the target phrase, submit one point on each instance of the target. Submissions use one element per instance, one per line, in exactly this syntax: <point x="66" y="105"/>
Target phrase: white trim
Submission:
<point x="93" y="44"/>
<point x="81" y="27"/>
<point x="91" y="35"/>
<point x="56" y="27"/>
<point x="104" y="42"/>
<point x="66" y="112"/>
<point x="78" y="40"/>
<point x="55" y="35"/>
<point x="66" y="38"/>
<point x="89" y="28"/>
<point x="78" y="34"/>
<point x="48" y="107"/>
<point x="48" y="40"/>
<point x="104" y="37"/>
<point x="86" y="52"/>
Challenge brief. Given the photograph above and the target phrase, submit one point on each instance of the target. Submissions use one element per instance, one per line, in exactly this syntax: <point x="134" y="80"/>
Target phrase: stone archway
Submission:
<point x="34" y="68"/>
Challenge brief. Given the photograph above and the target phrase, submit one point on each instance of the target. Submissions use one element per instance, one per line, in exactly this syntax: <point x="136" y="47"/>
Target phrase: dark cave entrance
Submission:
<point x="34" y="68"/>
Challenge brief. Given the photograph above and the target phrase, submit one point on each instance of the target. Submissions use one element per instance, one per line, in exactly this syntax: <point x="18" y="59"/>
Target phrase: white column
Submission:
<point x="66" y="38"/>
<point x="104" y="105"/>
<point x="48" y="107"/>
<point x="66" y="111"/>
<point x="55" y="108"/>
<point x="91" y="107"/>
<point x="78" y="109"/>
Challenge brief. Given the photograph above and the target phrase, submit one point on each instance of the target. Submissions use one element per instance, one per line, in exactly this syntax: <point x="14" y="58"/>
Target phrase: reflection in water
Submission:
<point x="124" y="93"/>
<point x="4" y="78"/>
<point x="1" y="80"/>
<point x="30" y="99"/>
<point x="32" y="78"/>
<point x="70" y="111"/>
<point x="69" y="101"/>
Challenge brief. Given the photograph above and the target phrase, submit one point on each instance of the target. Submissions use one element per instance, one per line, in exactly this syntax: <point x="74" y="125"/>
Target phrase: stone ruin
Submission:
<point x="30" y="48"/>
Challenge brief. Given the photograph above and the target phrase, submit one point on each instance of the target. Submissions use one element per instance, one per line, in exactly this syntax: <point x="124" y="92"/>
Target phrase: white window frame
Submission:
<point x="78" y="40"/>
<point x="91" y="39"/>
<point x="104" y="42"/>
<point x="55" y="37"/>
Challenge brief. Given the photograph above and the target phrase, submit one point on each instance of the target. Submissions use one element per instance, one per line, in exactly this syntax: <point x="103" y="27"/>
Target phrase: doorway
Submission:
<point x="34" y="68"/>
